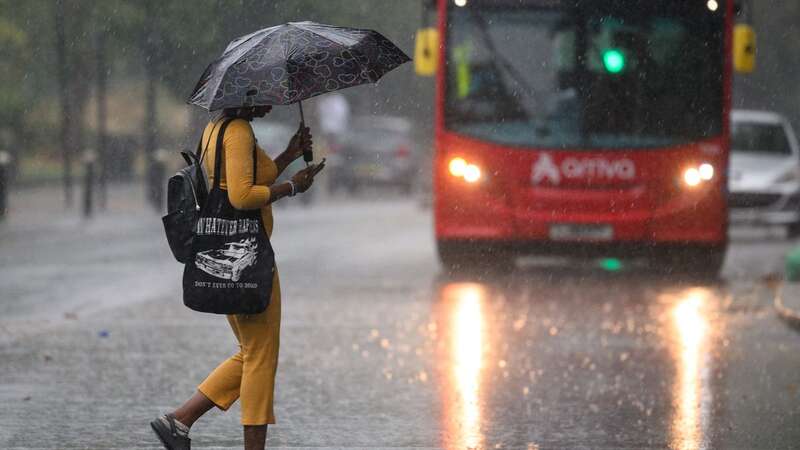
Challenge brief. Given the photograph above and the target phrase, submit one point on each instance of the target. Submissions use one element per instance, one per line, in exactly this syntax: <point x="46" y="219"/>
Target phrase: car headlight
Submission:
<point x="790" y="176"/>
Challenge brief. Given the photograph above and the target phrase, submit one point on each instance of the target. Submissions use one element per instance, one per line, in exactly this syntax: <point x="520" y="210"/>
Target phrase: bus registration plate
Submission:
<point x="581" y="232"/>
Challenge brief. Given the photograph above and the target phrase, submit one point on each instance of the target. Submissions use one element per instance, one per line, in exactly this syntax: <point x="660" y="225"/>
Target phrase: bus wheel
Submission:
<point x="474" y="258"/>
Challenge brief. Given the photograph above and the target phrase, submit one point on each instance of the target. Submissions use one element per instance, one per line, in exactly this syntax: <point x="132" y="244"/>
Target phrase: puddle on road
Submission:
<point x="517" y="354"/>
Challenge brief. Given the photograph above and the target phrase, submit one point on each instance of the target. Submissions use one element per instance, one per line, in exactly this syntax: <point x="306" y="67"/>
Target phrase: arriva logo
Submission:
<point x="546" y="169"/>
<point x="572" y="168"/>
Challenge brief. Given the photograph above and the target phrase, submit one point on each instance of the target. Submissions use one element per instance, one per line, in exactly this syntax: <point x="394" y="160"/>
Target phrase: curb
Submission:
<point x="788" y="315"/>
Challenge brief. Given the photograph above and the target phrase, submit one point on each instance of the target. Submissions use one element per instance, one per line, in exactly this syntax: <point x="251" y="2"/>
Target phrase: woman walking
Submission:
<point x="248" y="375"/>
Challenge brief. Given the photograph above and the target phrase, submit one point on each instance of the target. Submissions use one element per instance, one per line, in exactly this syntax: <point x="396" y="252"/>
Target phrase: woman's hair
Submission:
<point x="243" y="112"/>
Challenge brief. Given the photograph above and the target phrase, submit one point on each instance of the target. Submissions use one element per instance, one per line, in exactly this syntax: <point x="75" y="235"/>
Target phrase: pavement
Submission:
<point x="380" y="349"/>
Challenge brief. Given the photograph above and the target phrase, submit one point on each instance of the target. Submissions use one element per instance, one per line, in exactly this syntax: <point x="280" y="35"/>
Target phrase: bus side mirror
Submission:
<point x="744" y="48"/>
<point x="426" y="52"/>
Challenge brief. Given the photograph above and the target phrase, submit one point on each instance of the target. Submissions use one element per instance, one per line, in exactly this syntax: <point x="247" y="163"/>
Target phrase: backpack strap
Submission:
<point x="255" y="159"/>
<point x="200" y="152"/>
<point x="219" y="151"/>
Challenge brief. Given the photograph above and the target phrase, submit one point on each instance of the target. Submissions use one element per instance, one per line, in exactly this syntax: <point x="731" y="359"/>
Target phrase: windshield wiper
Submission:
<point x="504" y="63"/>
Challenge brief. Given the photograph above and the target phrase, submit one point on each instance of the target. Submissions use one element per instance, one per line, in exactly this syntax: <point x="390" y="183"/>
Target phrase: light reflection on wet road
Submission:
<point x="463" y="362"/>
<point x="692" y="393"/>
<point x="541" y="360"/>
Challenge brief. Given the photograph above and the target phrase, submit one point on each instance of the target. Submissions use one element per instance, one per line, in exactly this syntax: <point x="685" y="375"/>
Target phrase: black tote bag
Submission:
<point x="232" y="265"/>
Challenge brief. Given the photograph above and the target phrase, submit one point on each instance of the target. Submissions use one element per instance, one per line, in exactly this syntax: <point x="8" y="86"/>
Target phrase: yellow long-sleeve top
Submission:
<point x="236" y="172"/>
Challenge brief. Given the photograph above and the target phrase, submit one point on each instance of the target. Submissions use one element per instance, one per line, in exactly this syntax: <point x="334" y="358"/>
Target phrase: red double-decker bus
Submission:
<point x="584" y="127"/>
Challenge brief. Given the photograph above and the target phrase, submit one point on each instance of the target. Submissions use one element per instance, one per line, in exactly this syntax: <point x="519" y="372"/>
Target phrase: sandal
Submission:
<point x="169" y="435"/>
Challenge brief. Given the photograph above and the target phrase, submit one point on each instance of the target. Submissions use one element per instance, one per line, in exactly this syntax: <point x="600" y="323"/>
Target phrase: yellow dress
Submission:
<point x="250" y="373"/>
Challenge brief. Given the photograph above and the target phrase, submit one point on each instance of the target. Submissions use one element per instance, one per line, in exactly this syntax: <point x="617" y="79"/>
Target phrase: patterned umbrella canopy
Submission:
<point x="292" y="62"/>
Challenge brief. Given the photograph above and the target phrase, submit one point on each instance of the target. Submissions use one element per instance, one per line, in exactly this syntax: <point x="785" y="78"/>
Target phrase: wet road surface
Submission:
<point x="380" y="349"/>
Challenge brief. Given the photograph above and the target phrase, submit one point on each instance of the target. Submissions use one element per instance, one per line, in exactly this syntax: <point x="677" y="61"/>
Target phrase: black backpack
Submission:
<point x="187" y="192"/>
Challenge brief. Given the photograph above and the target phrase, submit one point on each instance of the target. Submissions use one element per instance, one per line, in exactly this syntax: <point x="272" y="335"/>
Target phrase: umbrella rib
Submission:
<point x="363" y="69"/>
<point x="246" y="53"/>
<point x="286" y="64"/>
<point x="351" y="48"/>
<point x="299" y="25"/>
<point x="220" y="79"/>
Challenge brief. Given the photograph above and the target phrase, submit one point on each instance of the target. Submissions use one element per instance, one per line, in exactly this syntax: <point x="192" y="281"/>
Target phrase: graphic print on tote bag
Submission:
<point x="228" y="262"/>
<point x="232" y="264"/>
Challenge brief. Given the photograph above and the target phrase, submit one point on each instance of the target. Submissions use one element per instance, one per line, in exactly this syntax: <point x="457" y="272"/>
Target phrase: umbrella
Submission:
<point x="288" y="63"/>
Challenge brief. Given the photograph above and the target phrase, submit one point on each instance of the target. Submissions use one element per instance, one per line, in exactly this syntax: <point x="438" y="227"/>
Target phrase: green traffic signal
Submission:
<point x="614" y="60"/>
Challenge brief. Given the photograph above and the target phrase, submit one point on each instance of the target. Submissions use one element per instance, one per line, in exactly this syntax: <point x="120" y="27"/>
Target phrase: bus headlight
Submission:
<point x="706" y="171"/>
<point x="457" y="167"/>
<point x="694" y="176"/>
<point x="472" y="174"/>
<point x="460" y="168"/>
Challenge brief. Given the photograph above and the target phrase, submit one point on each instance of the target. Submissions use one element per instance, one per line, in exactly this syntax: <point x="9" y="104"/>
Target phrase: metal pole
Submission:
<point x="153" y="177"/>
<point x="89" y="160"/>
<point x="5" y="159"/>
<point x="102" y="129"/>
<point x="157" y="182"/>
<point x="66" y="109"/>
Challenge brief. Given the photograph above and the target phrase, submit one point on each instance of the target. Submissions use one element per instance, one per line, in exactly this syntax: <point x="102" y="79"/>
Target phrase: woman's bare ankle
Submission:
<point x="193" y="409"/>
<point x="255" y="437"/>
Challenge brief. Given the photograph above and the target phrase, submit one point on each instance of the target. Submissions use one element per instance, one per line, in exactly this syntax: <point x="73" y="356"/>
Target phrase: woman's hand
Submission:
<point x="300" y="142"/>
<point x="305" y="178"/>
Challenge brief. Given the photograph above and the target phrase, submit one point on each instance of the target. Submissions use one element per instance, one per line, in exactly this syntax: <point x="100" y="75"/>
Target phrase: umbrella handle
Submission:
<point x="302" y="117"/>
<point x="308" y="156"/>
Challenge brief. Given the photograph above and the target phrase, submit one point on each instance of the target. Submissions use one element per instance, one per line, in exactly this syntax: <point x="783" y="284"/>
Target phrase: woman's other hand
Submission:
<point x="300" y="142"/>
<point x="305" y="178"/>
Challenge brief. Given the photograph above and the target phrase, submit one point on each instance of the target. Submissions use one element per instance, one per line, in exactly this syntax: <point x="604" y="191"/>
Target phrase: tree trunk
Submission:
<point x="154" y="171"/>
<point x="66" y="113"/>
<point x="101" y="82"/>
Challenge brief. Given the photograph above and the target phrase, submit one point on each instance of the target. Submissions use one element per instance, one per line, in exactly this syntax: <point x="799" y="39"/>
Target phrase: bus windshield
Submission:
<point x="585" y="74"/>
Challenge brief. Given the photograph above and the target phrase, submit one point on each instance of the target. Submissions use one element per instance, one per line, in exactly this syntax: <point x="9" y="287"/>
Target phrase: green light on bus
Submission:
<point x="611" y="264"/>
<point x="614" y="60"/>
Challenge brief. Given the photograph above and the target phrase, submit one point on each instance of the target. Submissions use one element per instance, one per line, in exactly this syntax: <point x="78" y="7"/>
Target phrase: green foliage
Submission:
<point x="13" y="43"/>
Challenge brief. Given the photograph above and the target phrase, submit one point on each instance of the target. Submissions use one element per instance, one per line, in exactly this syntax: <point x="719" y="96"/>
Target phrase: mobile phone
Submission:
<point x="319" y="166"/>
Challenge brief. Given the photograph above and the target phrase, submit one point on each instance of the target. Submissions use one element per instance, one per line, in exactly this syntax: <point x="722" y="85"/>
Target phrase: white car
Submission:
<point x="764" y="177"/>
